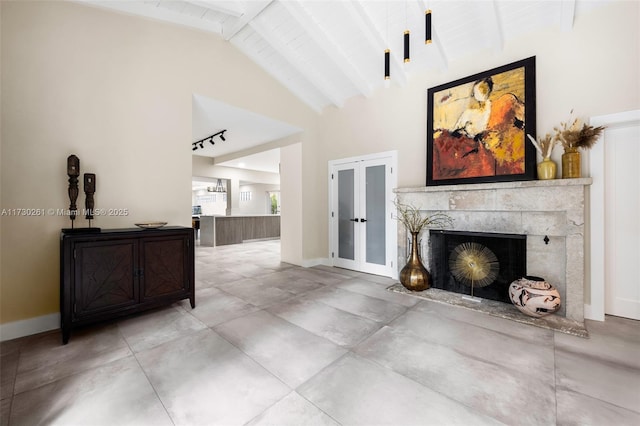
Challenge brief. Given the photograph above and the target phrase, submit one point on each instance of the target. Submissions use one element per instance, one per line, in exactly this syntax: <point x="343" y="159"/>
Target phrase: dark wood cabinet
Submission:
<point x="118" y="272"/>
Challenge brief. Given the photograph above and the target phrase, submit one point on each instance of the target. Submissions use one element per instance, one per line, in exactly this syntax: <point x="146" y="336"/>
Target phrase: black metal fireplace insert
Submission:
<point x="477" y="263"/>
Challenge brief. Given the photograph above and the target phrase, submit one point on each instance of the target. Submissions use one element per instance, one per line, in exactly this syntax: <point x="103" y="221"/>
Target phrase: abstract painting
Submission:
<point x="477" y="127"/>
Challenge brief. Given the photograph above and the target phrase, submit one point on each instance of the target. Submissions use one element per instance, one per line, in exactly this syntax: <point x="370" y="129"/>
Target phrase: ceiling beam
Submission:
<point x="333" y="51"/>
<point x="254" y="8"/>
<point x="217" y="6"/>
<point x="311" y="96"/>
<point x="376" y="40"/>
<point x="150" y="10"/>
<point x="567" y="13"/>
<point x="313" y="75"/>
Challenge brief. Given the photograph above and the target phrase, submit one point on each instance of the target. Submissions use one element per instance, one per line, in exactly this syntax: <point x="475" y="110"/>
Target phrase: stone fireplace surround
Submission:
<point x="539" y="208"/>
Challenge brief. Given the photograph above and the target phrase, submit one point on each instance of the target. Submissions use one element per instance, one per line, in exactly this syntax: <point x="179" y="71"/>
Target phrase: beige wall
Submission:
<point x="291" y="217"/>
<point x="1" y="133"/>
<point x="260" y="201"/>
<point x="593" y="70"/>
<point x="115" y="90"/>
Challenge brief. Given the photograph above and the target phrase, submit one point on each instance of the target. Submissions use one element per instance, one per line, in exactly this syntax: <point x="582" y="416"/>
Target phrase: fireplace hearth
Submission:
<point x="478" y="264"/>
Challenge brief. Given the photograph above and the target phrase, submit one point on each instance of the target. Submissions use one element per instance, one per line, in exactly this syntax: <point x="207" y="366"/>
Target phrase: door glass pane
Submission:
<point x="375" y="215"/>
<point x="345" y="214"/>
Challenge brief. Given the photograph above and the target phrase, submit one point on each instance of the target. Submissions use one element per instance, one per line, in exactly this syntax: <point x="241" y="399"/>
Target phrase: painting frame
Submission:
<point x="477" y="127"/>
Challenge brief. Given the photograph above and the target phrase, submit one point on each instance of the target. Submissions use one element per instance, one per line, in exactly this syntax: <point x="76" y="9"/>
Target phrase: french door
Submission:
<point x="363" y="234"/>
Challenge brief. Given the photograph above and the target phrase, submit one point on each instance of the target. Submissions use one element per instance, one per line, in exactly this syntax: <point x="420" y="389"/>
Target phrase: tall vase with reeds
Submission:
<point x="547" y="167"/>
<point x="414" y="276"/>
<point x="574" y="136"/>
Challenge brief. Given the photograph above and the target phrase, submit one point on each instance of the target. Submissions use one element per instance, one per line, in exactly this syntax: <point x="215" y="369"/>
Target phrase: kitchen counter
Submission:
<point x="223" y="230"/>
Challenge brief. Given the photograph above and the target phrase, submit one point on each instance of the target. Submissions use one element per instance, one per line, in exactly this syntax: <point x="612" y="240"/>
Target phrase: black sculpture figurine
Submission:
<point x="89" y="190"/>
<point x="73" y="171"/>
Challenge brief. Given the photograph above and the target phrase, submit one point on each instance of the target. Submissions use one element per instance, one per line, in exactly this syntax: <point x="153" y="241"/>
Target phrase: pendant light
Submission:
<point x="387" y="64"/>
<point x="219" y="186"/>
<point x="407" y="57"/>
<point x="387" y="55"/>
<point x="427" y="26"/>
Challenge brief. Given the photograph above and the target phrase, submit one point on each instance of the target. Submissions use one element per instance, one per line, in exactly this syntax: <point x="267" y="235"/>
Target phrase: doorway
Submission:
<point x="273" y="202"/>
<point x="615" y="207"/>
<point x="363" y="234"/>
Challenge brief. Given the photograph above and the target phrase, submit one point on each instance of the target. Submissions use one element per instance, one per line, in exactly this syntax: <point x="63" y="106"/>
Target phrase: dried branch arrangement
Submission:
<point x="577" y="135"/>
<point x="544" y="145"/>
<point x="411" y="217"/>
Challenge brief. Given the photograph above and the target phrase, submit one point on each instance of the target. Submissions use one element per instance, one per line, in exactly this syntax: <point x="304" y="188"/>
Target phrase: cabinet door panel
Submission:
<point x="228" y="230"/>
<point x="104" y="276"/>
<point x="163" y="266"/>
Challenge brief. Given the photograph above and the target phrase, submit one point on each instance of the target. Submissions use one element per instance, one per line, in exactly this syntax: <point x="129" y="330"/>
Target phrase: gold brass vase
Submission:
<point x="547" y="169"/>
<point x="414" y="276"/>
<point x="571" y="163"/>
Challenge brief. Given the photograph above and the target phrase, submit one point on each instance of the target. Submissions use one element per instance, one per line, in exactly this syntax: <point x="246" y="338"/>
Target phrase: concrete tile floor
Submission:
<point x="274" y="344"/>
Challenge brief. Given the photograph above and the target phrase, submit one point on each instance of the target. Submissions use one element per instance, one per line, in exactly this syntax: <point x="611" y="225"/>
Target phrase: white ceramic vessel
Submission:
<point x="534" y="296"/>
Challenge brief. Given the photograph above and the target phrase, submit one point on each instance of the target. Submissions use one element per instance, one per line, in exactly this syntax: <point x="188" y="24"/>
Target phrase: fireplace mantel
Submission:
<point x="582" y="182"/>
<point x="539" y="208"/>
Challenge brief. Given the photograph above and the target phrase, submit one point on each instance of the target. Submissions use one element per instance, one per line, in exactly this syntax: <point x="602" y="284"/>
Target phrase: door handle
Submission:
<point x="354" y="220"/>
<point x="363" y="220"/>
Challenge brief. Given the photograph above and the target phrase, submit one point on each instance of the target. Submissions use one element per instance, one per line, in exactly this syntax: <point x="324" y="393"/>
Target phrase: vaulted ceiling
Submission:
<point x="327" y="51"/>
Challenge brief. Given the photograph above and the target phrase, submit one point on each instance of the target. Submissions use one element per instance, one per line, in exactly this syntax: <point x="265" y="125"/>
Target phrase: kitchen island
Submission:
<point x="223" y="230"/>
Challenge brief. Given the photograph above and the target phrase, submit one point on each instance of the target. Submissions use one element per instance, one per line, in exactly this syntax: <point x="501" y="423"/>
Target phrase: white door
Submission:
<point x="363" y="236"/>
<point x="622" y="221"/>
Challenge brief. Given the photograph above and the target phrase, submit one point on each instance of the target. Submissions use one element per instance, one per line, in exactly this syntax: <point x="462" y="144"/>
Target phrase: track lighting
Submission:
<point x="200" y="143"/>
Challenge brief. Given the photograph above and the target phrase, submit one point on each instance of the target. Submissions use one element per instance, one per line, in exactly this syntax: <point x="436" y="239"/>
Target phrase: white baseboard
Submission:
<point x="16" y="329"/>
<point x="315" y="262"/>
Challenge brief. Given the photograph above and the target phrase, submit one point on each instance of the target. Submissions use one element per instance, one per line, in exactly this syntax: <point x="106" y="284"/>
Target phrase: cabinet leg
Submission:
<point x="192" y="300"/>
<point x="65" y="335"/>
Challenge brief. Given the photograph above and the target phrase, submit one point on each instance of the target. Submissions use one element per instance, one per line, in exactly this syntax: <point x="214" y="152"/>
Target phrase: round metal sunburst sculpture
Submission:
<point x="474" y="264"/>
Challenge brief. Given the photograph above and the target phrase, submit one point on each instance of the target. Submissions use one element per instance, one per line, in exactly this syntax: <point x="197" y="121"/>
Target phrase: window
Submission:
<point x="204" y="199"/>
<point x="245" y="196"/>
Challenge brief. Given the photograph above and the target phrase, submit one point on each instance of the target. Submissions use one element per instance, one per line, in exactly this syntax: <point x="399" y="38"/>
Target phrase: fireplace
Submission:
<point x="478" y="264"/>
<point x="550" y="213"/>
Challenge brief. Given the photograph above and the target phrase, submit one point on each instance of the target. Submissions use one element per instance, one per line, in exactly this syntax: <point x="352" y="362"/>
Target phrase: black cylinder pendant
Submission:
<point x="427" y="26"/>
<point x="407" y="58"/>
<point x="387" y="55"/>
